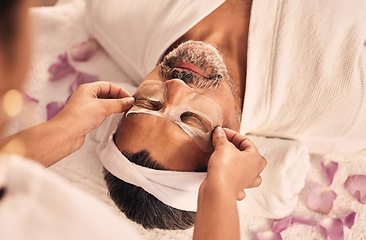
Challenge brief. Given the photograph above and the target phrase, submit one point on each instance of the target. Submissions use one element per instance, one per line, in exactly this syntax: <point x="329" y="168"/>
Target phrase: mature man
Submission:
<point x="292" y="72"/>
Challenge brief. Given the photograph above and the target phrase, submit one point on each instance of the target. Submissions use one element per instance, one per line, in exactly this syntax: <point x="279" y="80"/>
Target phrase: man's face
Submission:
<point x="177" y="106"/>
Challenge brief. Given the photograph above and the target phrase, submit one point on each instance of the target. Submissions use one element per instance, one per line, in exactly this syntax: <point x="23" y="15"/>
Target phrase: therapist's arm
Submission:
<point x="235" y="165"/>
<point x="53" y="140"/>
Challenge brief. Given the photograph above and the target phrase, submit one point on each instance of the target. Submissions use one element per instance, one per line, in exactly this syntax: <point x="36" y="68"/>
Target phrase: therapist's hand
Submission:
<point x="235" y="163"/>
<point x="89" y="106"/>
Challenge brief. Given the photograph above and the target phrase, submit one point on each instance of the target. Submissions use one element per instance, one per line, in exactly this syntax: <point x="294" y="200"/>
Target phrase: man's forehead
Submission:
<point x="166" y="142"/>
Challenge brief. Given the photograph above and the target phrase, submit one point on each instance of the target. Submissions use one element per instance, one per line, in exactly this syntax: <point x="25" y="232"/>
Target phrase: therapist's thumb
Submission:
<point x="218" y="137"/>
<point x="118" y="105"/>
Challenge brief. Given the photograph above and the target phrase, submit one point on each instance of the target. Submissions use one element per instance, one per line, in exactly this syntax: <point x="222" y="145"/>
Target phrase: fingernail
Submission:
<point x="220" y="131"/>
<point x="130" y="100"/>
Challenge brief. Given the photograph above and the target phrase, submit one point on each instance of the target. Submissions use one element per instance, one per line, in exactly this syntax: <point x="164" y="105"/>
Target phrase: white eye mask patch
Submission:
<point x="196" y="114"/>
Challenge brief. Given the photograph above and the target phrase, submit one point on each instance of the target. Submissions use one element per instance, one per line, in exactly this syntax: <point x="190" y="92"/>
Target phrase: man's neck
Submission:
<point x="227" y="28"/>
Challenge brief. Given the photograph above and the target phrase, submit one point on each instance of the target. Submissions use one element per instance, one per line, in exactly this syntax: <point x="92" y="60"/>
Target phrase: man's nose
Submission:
<point x="176" y="91"/>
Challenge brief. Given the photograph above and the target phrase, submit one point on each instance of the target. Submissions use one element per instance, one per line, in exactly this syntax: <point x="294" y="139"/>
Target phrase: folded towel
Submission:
<point x="283" y="178"/>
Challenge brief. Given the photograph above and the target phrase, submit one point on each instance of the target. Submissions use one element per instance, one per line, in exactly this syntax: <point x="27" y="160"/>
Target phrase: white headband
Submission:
<point x="176" y="189"/>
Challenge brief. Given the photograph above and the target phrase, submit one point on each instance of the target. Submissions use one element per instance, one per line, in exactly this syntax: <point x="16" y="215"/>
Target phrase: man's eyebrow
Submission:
<point x="143" y="158"/>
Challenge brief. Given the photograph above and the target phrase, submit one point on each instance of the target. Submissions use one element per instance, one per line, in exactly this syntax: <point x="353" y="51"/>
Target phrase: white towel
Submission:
<point x="306" y="75"/>
<point x="282" y="179"/>
<point x="40" y="205"/>
<point x="137" y="43"/>
<point x="176" y="189"/>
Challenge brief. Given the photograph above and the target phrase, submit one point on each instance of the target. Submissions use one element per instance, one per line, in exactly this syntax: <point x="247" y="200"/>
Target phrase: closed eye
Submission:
<point x="148" y="104"/>
<point x="196" y="121"/>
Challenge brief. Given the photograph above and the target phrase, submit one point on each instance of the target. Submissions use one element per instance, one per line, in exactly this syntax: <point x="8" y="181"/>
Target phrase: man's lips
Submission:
<point x="190" y="67"/>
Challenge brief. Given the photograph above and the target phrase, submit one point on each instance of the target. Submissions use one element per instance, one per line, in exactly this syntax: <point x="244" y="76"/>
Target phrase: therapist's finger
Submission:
<point x="241" y="142"/>
<point x="117" y="105"/>
<point x="241" y="195"/>
<point x="218" y="137"/>
<point x="257" y="181"/>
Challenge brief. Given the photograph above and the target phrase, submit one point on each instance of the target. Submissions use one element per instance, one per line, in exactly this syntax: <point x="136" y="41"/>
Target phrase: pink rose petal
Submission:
<point x="282" y="224"/>
<point x="53" y="108"/>
<point x="61" y="68"/>
<point x="82" y="78"/>
<point x="307" y="220"/>
<point x="84" y="50"/>
<point x="356" y="185"/>
<point x="268" y="235"/>
<point x="333" y="227"/>
<point x="320" y="199"/>
<point x="329" y="168"/>
<point x="28" y="97"/>
<point x="349" y="220"/>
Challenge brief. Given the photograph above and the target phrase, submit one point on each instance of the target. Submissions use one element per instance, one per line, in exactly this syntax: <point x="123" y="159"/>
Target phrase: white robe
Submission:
<point x="306" y="76"/>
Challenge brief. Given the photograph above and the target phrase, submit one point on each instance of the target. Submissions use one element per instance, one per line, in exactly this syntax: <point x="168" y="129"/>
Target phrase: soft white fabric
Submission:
<point x="306" y="73"/>
<point x="40" y="205"/>
<point x="137" y="33"/>
<point x="176" y="189"/>
<point x="282" y="179"/>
